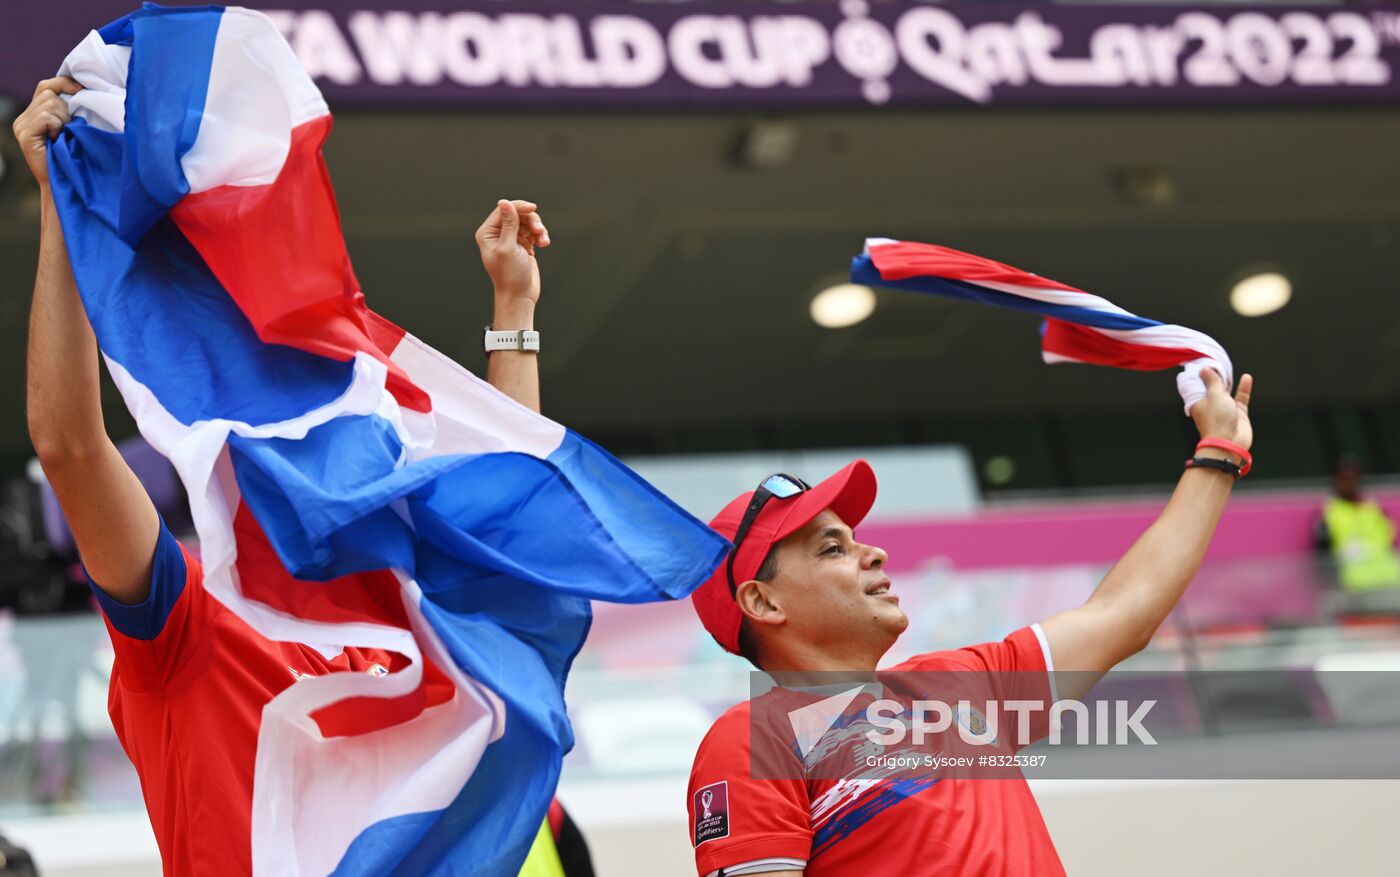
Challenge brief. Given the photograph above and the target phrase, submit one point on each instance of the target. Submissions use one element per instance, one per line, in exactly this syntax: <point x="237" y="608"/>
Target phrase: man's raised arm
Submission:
<point x="507" y="240"/>
<point x="1142" y="588"/>
<point x="113" y="520"/>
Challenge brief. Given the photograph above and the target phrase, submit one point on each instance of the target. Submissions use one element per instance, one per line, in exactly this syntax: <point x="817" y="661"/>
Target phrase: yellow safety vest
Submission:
<point x="543" y="860"/>
<point x="1363" y="544"/>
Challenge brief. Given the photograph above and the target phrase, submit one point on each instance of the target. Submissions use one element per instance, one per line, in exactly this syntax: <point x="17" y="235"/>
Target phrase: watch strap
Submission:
<point x="527" y="340"/>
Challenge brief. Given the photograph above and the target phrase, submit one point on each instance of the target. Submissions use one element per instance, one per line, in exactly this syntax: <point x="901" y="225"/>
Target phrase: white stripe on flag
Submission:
<point x="253" y="104"/>
<point x="469" y="415"/>
<point x="102" y="69"/>
<point x="1055" y="296"/>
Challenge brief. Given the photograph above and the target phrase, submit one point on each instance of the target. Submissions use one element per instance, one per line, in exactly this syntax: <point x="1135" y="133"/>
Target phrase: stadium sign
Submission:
<point x="538" y="52"/>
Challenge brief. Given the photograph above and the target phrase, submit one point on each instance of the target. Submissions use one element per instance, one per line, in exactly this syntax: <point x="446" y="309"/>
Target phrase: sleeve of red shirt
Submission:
<point x="1022" y="651"/>
<point x="155" y="638"/>
<point x="1021" y="667"/>
<point x="761" y="818"/>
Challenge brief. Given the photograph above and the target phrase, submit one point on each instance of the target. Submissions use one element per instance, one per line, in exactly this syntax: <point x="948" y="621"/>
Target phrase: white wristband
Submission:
<point x="526" y="340"/>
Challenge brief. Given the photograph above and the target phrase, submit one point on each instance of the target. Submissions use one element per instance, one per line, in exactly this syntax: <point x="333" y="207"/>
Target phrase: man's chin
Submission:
<point x="893" y="620"/>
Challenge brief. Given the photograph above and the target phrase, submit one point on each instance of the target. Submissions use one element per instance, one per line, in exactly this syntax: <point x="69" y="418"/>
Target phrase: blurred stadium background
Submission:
<point x="693" y="229"/>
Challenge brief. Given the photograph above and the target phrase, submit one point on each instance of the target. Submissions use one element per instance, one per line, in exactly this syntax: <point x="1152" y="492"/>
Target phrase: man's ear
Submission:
<point x="758" y="602"/>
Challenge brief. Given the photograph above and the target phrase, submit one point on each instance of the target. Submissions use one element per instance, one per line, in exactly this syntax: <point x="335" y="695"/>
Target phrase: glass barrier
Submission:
<point x="58" y="752"/>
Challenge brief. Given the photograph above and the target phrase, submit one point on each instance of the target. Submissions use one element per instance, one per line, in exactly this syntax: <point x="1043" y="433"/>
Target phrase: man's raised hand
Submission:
<point x="507" y="240"/>
<point x="41" y="121"/>
<point x="1220" y="416"/>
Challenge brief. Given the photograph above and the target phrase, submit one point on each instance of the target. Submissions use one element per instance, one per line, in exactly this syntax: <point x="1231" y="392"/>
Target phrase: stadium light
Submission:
<point x="1261" y="293"/>
<point x="842" y="305"/>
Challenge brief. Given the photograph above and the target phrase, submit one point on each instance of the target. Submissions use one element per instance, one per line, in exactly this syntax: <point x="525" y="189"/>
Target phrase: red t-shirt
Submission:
<point x="927" y="825"/>
<point x="187" y="692"/>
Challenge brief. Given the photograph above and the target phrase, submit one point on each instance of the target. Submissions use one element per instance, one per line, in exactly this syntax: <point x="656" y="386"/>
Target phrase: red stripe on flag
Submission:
<point x="363" y="715"/>
<point x="371" y="597"/>
<point x="1087" y="345"/>
<point x="902" y="260"/>
<point x="280" y="253"/>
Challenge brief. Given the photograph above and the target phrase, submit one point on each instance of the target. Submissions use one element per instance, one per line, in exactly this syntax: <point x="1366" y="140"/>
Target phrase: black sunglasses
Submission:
<point x="775" y="486"/>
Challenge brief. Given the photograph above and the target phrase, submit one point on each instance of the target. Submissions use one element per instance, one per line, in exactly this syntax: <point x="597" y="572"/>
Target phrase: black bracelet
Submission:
<point x="1229" y="468"/>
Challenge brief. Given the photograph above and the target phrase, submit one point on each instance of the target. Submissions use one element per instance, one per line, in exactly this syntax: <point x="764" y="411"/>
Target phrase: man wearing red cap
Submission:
<point x="800" y="592"/>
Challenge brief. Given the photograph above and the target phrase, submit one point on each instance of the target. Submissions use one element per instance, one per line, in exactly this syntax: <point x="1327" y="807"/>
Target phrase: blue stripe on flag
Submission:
<point x="577" y="523"/>
<point x="863" y="271"/>
<point x="323" y="500"/>
<point x="518" y="640"/>
<point x="166" y="86"/>
<point x="646" y="524"/>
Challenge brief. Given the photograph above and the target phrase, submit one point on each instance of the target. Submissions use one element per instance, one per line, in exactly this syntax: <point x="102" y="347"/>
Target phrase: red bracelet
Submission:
<point x="1246" y="461"/>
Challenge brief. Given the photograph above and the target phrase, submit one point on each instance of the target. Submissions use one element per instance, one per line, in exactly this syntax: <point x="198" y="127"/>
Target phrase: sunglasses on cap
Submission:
<point x="775" y="486"/>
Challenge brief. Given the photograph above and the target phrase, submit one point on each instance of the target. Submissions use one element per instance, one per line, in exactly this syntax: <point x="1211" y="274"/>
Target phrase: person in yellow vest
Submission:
<point x="559" y="849"/>
<point x="1359" y="535"/>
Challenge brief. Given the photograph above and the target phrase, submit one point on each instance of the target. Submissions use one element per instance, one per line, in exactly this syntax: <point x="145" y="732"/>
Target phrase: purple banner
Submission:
<point x="818" y="54"/>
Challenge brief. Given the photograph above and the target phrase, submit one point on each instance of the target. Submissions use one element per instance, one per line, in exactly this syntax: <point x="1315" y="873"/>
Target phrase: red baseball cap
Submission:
<point x="849" y="493"/>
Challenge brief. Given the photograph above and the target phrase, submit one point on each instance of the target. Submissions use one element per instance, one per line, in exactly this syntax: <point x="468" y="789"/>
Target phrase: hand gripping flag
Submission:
<point x="1079" y="326"/>
<point x="350" y="486"/>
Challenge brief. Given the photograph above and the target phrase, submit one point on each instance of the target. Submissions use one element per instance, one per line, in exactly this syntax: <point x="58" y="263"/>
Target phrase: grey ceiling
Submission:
<point x="677" y="288"/>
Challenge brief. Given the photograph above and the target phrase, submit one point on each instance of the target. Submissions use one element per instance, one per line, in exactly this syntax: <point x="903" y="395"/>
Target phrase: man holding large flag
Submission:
<point x="191" y="679"/>
<point x="363" y="672"/>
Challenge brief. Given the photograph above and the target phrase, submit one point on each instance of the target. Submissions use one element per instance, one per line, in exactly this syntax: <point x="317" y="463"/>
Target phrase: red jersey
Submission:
<point x="825" y="827"/>
<point x="187" y="692"/>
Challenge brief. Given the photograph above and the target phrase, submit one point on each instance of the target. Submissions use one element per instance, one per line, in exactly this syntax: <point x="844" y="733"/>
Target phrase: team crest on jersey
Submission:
<point x="711" y="813"/>
<point x="974" y="721"/>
